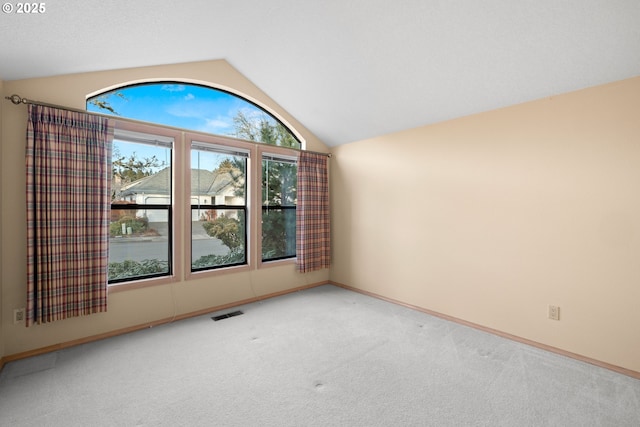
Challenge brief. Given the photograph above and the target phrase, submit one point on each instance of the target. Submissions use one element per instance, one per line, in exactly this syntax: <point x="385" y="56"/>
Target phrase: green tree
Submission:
<point x="229" y="230"/>
<point x="129" y="169"/>
<point x="262" y="129"/>
<point x="133" y="168"/>
<point x="279" y="188"/>
<point x="103" y="102"/>
<point x="279" y="184"/>
<point x="236" y="168"/>
<point x="285" y="137"/>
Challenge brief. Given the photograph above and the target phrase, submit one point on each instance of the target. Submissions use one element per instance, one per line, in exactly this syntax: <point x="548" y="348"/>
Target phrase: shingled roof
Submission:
<point x="203" y="183"/>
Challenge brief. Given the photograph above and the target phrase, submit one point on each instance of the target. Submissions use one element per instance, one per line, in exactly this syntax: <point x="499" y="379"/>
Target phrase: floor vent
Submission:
<point x="224" y="316"/>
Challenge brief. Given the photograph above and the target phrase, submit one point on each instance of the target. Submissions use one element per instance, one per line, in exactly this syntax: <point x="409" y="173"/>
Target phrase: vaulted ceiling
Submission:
<point x="347" y="69"/>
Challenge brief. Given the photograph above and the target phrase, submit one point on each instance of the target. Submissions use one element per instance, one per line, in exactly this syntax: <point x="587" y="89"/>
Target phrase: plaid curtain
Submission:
<point x="312" y="213"/>
<point x="68" y="162"/>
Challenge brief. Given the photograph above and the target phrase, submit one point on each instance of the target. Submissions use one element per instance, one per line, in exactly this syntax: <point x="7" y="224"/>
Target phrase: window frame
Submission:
<point x="174" y="214"/>
<point x="181" y="205"/>
<point x="210" y="86"/>
<point x="275" y="151"/>
<point x="265" y="208"/>
<point x="180" y="211"/>
<point x="233" y="144"/>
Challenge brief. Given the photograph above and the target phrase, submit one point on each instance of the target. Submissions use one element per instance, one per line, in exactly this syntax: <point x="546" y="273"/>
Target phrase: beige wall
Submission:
<point x="502" y="214"/>
<point x="2" y="101"/>
<point x="126" y="308"/>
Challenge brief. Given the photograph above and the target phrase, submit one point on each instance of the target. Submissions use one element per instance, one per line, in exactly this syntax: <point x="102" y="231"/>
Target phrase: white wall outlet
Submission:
<point x="554" y="312"/>
<point x="18" y="315"/>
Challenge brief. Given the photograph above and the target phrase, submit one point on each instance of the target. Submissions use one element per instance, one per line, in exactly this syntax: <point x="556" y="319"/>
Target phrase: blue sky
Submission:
<point x="180" y="105"/>
<point x="183" y="106"/>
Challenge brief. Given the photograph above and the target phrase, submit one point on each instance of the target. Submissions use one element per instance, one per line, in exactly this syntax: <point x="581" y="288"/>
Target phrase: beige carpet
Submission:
<point x="321" y="357"/>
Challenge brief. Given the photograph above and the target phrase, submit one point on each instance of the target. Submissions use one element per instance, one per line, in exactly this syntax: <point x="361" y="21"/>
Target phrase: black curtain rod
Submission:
<point x="17" y="100"/>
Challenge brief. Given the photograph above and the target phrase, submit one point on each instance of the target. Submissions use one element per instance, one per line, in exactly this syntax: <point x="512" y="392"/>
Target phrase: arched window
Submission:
<point x="151" y="170"/>
<point x="195" y="107"/>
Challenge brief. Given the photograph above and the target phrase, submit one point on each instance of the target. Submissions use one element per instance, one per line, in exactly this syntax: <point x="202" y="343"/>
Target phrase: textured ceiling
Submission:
<point x="346" y="69"/>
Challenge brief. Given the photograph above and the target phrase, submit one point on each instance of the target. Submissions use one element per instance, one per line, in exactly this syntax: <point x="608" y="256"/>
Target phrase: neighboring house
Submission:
<point x="150" y="190"/>
<point x="224" y="187"/>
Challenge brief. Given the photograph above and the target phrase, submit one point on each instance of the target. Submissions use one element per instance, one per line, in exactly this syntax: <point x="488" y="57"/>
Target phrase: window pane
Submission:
<point x="218" y="238"/>
<point x="278" y="233"/>
<point x="218" y="235"/>
<point x="139" y="243"/>
<point x="279" y="185"/>
<point x="217" y="179"/>
<point x="194" y="107"/>
<point x="141" y="173"/>
<point x="140" y="231"/>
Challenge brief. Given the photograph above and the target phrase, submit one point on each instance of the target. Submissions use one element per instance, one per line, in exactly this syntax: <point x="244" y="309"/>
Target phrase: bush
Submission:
<point x="228" y="230"/>
<point x="130" y="268"/>
<point x="233" y="257"/>
<point x="138" y="225"/>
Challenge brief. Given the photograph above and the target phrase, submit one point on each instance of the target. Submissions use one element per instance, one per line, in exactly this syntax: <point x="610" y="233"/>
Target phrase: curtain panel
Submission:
<point x="68" y="162"/>
<point x="313" y="232"/>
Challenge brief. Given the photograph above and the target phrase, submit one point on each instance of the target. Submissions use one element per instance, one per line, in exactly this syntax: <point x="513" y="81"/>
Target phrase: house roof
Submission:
<point x="159" y="183"/>
<point x="203" y="183"/>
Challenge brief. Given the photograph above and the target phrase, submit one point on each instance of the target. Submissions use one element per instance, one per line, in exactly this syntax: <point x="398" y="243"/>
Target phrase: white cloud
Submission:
<point x="193" y="110"/>
<point x="173" y="88"/>
<point x="189" y="97"/>
<point x="217" y="125"/>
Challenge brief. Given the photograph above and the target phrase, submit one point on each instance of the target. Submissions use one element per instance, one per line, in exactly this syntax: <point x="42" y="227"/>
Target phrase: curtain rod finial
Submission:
<point x="16" y="99"/>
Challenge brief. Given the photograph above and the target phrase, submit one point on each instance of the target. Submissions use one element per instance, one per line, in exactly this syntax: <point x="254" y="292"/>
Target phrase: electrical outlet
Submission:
<point x="554" y="312"/>
<point x="18" y="315"/>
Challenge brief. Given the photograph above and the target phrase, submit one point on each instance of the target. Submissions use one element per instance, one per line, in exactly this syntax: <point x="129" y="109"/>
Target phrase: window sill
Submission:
<point x="276" y="263"/>
<point x="139" y="284"/>
<point x="193" y="275"/>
